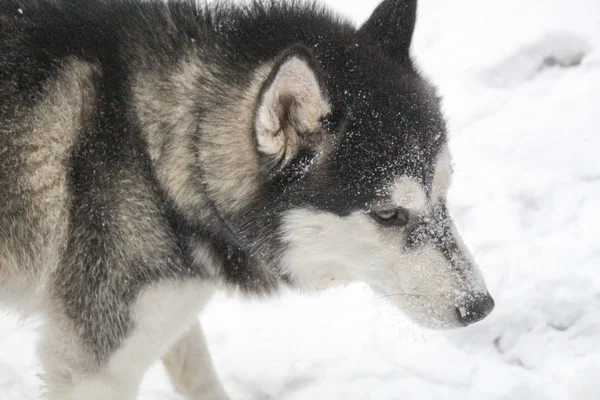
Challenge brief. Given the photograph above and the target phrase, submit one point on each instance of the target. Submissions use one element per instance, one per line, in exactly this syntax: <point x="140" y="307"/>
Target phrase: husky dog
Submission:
<point x="153" y="151"/>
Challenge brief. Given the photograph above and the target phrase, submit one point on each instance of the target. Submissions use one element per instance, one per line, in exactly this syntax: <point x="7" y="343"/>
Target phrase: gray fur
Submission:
<point x="151" y="151"/>
<point x="36" y="144"/>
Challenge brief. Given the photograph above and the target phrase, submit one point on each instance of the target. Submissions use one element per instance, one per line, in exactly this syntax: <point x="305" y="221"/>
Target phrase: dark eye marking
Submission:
<point x="392" y="217"/>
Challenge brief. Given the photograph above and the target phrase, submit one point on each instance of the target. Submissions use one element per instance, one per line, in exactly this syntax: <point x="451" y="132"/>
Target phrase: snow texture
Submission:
<point x="521" y="87"/>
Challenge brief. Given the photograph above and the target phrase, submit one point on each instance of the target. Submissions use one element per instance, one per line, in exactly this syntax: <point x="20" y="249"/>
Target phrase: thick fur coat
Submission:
<point x="152" y="151"/>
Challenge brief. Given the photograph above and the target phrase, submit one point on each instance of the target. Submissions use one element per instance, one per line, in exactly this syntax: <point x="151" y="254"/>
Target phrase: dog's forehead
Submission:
<point x="386" y="125"/>
<point x="375" y="155"/>
<point x="390" y="139"/>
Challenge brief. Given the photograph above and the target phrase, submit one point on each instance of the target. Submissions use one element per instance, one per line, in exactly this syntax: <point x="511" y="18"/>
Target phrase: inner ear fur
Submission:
<point x="290" y="105"/>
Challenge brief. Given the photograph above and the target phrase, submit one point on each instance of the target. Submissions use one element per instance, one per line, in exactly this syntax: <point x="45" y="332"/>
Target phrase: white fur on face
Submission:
<point x="295" y="91"/>
<point x="408" y="193"/>
<point x="442" y="175"/>
<point x="324" y="250"/>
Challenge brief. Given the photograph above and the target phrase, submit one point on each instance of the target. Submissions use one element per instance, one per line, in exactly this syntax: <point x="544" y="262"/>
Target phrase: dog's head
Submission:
<point x="355" y="170"/>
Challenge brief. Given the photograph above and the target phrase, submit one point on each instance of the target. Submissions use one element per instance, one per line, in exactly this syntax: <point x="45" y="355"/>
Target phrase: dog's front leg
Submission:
<point x="190" y="367"/>
<point x="92" y="363"/>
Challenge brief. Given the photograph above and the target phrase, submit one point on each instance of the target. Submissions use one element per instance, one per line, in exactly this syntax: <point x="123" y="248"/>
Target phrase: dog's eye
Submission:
<point x="393" y="217"/>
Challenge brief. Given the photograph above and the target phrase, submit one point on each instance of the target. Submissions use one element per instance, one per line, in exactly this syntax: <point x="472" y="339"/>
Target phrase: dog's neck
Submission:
<point x="199" y="139"/>
<point x="198" y="131"/>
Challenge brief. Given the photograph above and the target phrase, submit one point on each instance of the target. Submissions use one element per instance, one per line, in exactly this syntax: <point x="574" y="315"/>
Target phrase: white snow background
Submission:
<point x="521" y="87"/>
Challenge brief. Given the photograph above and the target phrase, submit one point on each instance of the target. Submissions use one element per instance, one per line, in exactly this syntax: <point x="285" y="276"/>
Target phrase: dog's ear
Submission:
<point x="391" y="27"/>
<point x="290" y="106"/>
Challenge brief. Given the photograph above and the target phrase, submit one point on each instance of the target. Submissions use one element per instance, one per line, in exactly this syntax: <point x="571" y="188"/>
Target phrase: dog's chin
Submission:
<point x="440" y="324"/>
<point x="434" y="319"/>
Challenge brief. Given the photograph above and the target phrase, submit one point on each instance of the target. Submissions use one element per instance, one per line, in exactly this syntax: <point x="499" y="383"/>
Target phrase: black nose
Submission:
<point x="475" y="310"/>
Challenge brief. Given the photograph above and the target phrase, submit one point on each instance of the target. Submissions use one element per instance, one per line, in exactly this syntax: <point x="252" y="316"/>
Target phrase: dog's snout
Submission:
<point x="475" y="310"/>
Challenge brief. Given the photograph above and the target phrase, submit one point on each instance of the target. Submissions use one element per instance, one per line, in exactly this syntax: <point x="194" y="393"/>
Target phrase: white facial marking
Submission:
<point x="474" y="281"/>
<point x="312" y="236"/>
<point x="442" y="175"/>
<point x="409" y="194"/>
<point x="325" y="250"/>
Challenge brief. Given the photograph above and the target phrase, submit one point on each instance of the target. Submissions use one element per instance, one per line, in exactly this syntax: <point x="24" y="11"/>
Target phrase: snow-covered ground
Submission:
<point x="521" y="82"/>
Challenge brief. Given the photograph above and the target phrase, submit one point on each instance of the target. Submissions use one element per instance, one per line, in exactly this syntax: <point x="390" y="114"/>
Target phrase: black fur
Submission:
<point x="385" y="121"/>
<point x="391" y="27"/>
